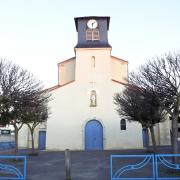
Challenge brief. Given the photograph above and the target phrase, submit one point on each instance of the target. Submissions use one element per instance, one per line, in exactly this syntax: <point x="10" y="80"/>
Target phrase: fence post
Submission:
<point x="67" y="165"/>
<point x="155" y="166"/>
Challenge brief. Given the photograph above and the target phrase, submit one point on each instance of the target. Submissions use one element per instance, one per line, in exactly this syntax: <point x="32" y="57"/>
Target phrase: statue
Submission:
<point x="93" y="99"/>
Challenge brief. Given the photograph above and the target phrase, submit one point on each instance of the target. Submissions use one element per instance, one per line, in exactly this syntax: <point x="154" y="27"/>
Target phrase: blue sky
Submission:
<point x="37" y="34"/>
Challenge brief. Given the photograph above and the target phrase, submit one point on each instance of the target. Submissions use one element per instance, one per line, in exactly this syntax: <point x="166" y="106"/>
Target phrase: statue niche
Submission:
<point x="93" y="99"/>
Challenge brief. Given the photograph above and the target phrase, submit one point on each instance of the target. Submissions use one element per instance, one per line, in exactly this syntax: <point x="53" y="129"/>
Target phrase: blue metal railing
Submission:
<point x="149" y="167"/>
<point x="120" y="171"/>
<point x="164" y="163"/>
<point x="13" y="167"/>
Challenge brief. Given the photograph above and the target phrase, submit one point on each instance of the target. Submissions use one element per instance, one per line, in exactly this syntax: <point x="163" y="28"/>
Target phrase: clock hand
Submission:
<point x="93" y="24"/>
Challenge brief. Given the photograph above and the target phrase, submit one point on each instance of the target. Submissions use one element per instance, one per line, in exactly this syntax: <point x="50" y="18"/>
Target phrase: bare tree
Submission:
<point x="163" y="75"/>
<point x="141" y="105"/>
<point x="11" y="86"/>
<point x="16" y="87"/>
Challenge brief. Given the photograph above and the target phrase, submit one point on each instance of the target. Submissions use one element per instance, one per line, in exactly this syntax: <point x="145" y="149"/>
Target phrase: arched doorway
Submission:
<point x="93" y="135"/>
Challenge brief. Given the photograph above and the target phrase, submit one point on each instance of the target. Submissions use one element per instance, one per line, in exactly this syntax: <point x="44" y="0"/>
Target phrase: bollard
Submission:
<point x="67" y="165"/>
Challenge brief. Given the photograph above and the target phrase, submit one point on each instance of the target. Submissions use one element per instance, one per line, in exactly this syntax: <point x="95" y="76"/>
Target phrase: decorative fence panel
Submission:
<point x="144" y="167"/>
<point x="166" y="168"/>
<point x="132" y="166"/>
<point x="13" y="167"/>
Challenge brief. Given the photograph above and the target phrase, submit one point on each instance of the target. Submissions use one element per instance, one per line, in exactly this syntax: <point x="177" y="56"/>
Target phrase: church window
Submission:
<point x="95" y="34"/>
<point x="123" y="124"/>
<point x="93" y="99"/>
<point x="93" y="62"/>
<point x="92" y="34"/>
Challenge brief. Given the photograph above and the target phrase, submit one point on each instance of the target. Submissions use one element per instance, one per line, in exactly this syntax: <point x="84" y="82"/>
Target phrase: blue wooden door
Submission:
<point x="145" y="137"/>
<point x="93" y="135"/>
<point x="42" y="140"/>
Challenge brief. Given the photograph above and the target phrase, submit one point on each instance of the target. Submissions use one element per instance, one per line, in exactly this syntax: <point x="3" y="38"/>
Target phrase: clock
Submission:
<point x="92" y="24"/>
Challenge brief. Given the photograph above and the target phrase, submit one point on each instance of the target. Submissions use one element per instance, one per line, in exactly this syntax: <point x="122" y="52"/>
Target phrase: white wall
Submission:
<point x="25" y="140"/>
<point x="70" y="107"/>
<point x="23" y="137"/>
<point x="66" y="71"/>
<point x="7" y="138"/>
<point x="119" y="70"/>
<point x="165" y="127"/>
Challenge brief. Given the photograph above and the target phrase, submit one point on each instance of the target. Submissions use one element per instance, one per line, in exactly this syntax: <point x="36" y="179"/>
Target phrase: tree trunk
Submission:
<point x="16" y="138"/>
<point x="175" y="136"/>
<point x="16" y="129"/>
<point x="32" y="137"/>
<point x="153" y="138"/>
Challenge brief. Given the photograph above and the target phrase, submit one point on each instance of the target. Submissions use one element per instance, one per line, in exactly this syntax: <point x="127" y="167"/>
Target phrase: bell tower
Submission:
<point x="92" y="31"/>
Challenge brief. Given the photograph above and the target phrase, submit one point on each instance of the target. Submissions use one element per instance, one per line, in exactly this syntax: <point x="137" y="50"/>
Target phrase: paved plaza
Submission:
<point x="86" y="165"/>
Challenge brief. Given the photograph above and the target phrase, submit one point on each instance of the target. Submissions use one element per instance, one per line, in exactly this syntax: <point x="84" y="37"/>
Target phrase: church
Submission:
<point x="82" y="111"/>
<point x="83" y="115"/>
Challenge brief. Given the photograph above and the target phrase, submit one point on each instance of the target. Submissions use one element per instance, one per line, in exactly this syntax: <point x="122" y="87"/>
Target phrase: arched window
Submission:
<point x="123" y="124"/>
<point x="93" y="62"/>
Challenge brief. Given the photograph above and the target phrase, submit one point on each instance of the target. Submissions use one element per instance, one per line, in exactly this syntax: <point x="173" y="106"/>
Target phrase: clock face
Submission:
<point x="92" y="24"/>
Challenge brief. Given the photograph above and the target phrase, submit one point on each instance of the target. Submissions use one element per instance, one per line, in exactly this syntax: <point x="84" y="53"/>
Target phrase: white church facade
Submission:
<point x="82" y="111"/>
